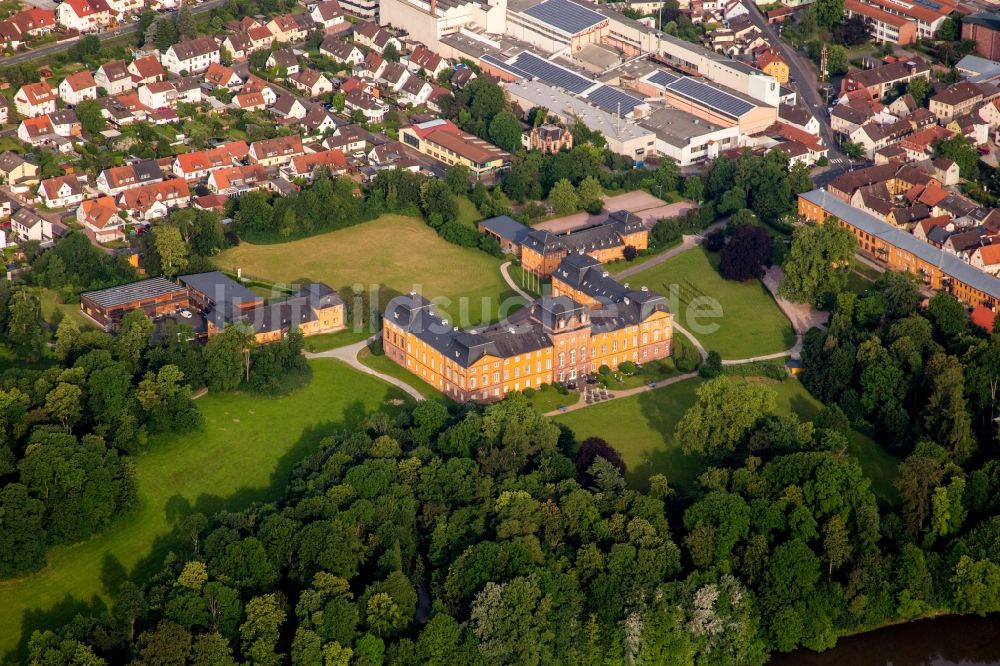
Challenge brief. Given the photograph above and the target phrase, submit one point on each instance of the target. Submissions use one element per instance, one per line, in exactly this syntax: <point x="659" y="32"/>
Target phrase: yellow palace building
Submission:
<point x="590" y="320"/>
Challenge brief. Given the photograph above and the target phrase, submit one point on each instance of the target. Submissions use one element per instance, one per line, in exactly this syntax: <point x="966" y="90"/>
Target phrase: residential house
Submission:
<point x="955" y="100"/>
<point x="799" y="117"/>
<point x="990" y="113"/>
<point x="371" y="67"/>
<point x="17" y="172"/>
<point x="276" y="151"/>
<point x="871" y="136"/>
<point x="27" y="225"/>
<point x="394" y="75"/>
<point x="198" y="164"/>
<point x="125" y="7"/>
<point x="328" y="15"/>
<point x="191" y="56"/>
<point x="423" y="59"/>
<point x="159" y="95"/>
<point x="35" y="99"/>
<point x="220" y="76"/>
<point x="250" y="101"/>
<point x="374" y="37"/>
<point x="880" y="80"/>
<point x="902" y="106"/>
<point x="77" y="88"/>
<point x="154" y="200"/>
<point x="284" y="60"/>
<point x="547" y="139"/>
<point x="86" y="15"/>
<point x="235" y="180"/>
<point x="372" y="109"/>
<point x="256" y="84"/>
<point x="100" y="217"/>
<point x="4" y="110"/>
<point x="971" y="126"/>
<point x="21" y="26"/>
<point x="115" y="180"/>
<point x="113" y="77"/>
<point x="146" y="69"/>
<point x="445" y="142"/>
<point x="343" y="52"/>
<point x="286" y="28"/>
<point x="920" y="145"/>
<point x="60" y="192"/>
<point x="302" y="166"/>
<point x="320" y="121"/>
<point x="311" y="82"/>
<point x="242" y="43"/>
<point x="415" y="91"/>
<point x="770" y="61"/>
<point x="65" y="123"/>
<point x="289" y="108"/>
<point x="35" y="131"/>
<point x="986" y="258"/>
<point x="348" y="138"/>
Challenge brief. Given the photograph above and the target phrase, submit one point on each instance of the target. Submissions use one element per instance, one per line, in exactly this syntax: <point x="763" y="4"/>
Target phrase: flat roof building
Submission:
<point x="156" y="297"/>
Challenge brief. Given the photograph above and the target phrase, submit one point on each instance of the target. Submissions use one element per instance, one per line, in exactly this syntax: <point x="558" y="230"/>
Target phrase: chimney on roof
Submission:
<point x="434" y="7"/>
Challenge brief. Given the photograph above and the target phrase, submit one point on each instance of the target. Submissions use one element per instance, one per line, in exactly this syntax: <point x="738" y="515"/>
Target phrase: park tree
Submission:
<point x="948" y="315"/>
<point x="390" y="52"/>
<point x="25" y="329"/>
<point x="563" y="198"/>
<point x="67" y="334"/>
<point x="591" y="194"/>
<point x="591" y="449"/>
<point x="171" y="248"/>
<point x="64" y="404"/>
<point x="918" y="476"/>
<point x="828" y="12"/>
<point x="724" y="413"/>
<point x="186" y="26"/>
<point x="22" y="531"/>
<point x="457" y="177"/>
<point x="946" y="416"/>
<point x="746" y="254"/>
<point x="505" y="131"/>
<point x="920" y="89"/>
<point x="437" y="202"/>
<point x="89" y="114"/>
<point x="818" y="262"/>
<point x="227" y="358"/>
<point x="261" y="629"/>
<point x="694" y="188"/>
<point x="960" y="150"/>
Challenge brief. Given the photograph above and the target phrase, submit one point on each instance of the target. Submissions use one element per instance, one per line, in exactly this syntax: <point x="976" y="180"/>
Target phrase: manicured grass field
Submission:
<point x="244" y="453"/>
<point x="750" y="323"/>
<point x="51" y="303"/>
<point x="385" y="365"/>
<point x="333" y="340"/>
<point x="391" y="255"/>
<point x="641" y="428"/>
<point x="468" y="214"/>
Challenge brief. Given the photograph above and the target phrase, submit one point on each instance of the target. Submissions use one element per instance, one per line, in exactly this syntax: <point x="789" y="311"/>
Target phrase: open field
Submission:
<point x="394" y="255"/>
<point x="244" y="453"/>
<point x="51" y="304"/>
<point x="641" y="428"/>
<point x="751" y="324"/>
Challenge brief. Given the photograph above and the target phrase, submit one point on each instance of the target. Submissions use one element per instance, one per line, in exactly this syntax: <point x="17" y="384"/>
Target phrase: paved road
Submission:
<point x="349" y="355"/>
<point x="805" y="79"/>
<point x="109" y="34"/>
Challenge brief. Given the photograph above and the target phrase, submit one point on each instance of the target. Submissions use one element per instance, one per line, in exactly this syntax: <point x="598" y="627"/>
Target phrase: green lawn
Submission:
<point x="550" y="400"/>
<point x="641" y="428"/>
<point x="618" y="266"/>
<point x="343" y="338"/>
<point x="244" y="453"/>
<point x="743" y="319"/>
<point x="529" y="282"/>
<point x="468" y="214"/>
<point x="51" y="303"/>
<point x="387" y="366"/>
<point x="391" y="255"/>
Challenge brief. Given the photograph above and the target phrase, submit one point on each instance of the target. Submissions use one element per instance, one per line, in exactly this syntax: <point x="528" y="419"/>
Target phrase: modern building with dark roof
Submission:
<point x="507" y="231"/>
<point x="156" y="297"/>
<point x="899" y="250"/>
<point x="556" y="338"/>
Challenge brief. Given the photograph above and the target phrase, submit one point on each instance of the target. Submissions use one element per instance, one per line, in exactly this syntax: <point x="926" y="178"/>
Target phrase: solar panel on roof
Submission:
<point x="497" y="62"/>
<point x="551" y="73"/>
<point x="565" y="16"/>
<point x="929" y="3"/>
<point x="609" y="99"/>
<point x="661" y="78"/>
<point x="712" y="97"/>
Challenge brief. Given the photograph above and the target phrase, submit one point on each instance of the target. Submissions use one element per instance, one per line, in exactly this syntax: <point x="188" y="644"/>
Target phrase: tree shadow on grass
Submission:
<point x="177" y="508"/>
<point x="662" y="409"/>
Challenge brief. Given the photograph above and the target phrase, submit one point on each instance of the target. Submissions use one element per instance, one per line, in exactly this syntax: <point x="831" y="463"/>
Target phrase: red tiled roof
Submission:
<point x="983" y="317"/>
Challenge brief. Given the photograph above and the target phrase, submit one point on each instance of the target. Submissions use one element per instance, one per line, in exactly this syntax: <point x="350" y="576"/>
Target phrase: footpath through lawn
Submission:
<point x="244" y="453"/>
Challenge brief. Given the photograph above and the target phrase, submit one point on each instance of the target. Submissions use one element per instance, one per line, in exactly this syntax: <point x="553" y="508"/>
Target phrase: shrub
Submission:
<point x="529" y="392"/>
<point x="712" y="366"/>
<point x="715" y="240"/>
<point x="686" y="357"/>
<point x="630" y="253"/>
<point x="627" y="368"/>
<point x="604" y="369"/>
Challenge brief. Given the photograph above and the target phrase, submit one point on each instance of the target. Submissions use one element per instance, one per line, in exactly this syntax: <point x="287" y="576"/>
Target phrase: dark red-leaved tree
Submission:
<point x="746" y="254"/>
<point x="590" y="449"/>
